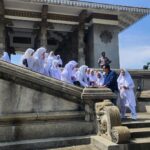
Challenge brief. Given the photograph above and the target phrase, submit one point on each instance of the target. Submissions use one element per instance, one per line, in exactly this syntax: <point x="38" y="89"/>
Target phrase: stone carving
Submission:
<point x="106" y="36"/>
<point x="109" y="123"/>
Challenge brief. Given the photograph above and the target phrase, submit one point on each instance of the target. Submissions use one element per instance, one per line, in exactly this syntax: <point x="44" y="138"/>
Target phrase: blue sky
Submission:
<point x="134" y="42"/>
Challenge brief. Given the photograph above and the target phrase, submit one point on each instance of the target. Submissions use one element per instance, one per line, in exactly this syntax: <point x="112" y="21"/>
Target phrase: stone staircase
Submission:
<point x="38" y="112"/>
<point x="140" y="132"/>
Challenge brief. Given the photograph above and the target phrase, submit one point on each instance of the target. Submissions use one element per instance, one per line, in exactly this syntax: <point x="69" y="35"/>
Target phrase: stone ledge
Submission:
<point x="45" y="129"/>
<point x="50" y="116"/>
<point x="45" y="143"/>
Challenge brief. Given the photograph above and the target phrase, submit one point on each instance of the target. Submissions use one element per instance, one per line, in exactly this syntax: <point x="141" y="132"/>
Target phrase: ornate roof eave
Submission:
<point x="84" y="4"/>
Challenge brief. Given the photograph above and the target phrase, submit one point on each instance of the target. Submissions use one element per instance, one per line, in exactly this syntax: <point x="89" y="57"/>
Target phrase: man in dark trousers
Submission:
<point x="110" y="80"/>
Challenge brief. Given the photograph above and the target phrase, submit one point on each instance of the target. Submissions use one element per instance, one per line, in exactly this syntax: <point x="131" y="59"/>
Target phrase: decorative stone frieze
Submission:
<point x="93" y="5"/>
<point x="21" y="13"/>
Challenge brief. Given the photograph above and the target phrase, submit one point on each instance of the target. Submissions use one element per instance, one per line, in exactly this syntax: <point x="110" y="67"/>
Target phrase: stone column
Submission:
<point x="2" y="27"/>
<point x="43" y="37"/>
<point x="2" y="37"/>
<point x="43" y="40"/>
<point x="81" y="46"/>
<point x="81" y="55"/>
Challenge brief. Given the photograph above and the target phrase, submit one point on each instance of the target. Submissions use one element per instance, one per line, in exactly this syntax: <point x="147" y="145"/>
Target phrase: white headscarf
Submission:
<point x="127" y="95"/>
<point x="49" y="62"/>
<point x="59" y="60"/>
<point x="55" y="70"/>
<point x="39" y="52"/>
<point x="28" y="55"/>
<point x="46" y="57"/>
<point x="39" y="61"/>
<point x="68" y="72"/>
<point x="81" y="75"/>
<point x="125" y="79"/>
<point x="100" y="81"/>
<point x="6" y="57"/>
<point x="51" y="57"/>
<point x="92" y="77"/>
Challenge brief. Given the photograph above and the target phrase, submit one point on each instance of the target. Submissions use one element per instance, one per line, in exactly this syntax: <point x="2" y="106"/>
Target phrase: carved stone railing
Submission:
<point x="109" y="123"/>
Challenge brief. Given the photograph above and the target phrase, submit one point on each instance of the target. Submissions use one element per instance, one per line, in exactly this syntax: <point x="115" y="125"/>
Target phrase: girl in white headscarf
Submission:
<point x="27" y="59"/>
<point x="127" y="97"/>
<point x="68" y="74"/>
<point x="81" y="76"/>
<point x="39" y="57"/>
<point x="59" y="60"/>
<point x="55" y="70"/>
<point x="50" y="58"/>
<point x="5" y="57"/>
<point x="88" y="75"/>
<point x="49" y="62"/>
<point x="46" y="57"/>
<point x="92" y="78"/>
<point x="100" y="79"/>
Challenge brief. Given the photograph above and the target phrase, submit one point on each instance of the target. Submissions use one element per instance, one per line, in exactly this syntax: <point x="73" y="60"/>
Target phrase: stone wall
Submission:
<point x="104" y="38"/>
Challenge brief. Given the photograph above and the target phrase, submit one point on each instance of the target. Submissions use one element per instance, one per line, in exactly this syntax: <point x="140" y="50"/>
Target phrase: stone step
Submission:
<point x="137" y="144"/>
<point x="143" y="120"/>
<point x="103" y="144"/>
<point x="137" y="124"/>
<point x="43" y="130"/>
<point x="140" y="132"/>
<point x="46" y="143"/>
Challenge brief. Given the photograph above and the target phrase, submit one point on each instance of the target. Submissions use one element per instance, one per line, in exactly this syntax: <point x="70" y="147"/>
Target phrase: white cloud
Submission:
<point x="134" y="57"/>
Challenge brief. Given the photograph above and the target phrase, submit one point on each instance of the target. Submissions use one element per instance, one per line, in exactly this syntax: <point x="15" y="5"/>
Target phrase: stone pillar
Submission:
<point x="81" y="46"/>
<point x="2" y="27"/>
<point x="74" y="46"/>
<point x="2" y="38"/>
<point x="81" y="55"/>
<point x="43" y="40"/>
<point x="43" y="37"/>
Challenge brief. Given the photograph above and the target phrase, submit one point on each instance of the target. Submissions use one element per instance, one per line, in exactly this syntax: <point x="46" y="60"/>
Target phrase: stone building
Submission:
<point x="74" y="29"/>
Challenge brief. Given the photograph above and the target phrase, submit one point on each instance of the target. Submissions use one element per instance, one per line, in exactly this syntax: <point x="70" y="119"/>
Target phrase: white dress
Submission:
<point x="6" y="57"/>
<point x="81" y="76"/>
<point x="28" y="56"/>
<point x="68" y="74"/>
<point x="55" y="70"/>
<point x="39" y="61"/>
<point x="127" y="96"/>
